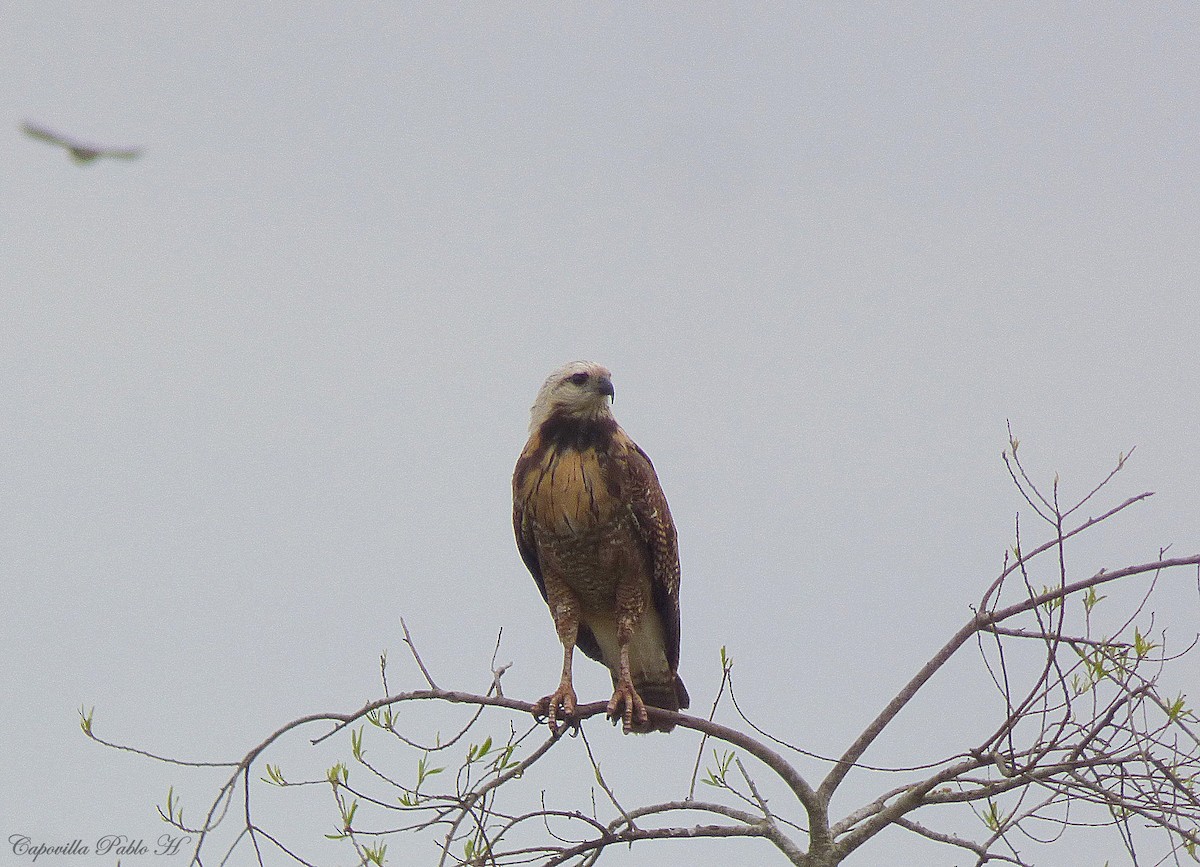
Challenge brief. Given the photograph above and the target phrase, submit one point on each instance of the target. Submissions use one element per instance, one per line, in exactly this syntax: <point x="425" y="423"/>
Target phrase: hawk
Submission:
<point x="593" y="528"/>
<point x="80" y="152"/>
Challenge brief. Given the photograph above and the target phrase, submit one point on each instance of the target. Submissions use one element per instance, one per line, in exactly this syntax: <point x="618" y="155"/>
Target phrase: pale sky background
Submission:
<point x="264" y="387"/>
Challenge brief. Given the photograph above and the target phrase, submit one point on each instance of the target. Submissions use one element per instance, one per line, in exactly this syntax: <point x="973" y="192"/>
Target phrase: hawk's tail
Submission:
<point x="667" y="693"/>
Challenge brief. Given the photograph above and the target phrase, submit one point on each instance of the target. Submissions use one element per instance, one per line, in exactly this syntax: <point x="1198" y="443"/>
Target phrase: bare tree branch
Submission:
<point x="1085" y="738"/>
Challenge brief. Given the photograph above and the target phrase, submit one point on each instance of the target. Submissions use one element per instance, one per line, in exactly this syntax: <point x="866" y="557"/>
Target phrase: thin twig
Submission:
<point x="600" y="779"/>
<point x="413" y="649"/>
<point x="725" y="670"/>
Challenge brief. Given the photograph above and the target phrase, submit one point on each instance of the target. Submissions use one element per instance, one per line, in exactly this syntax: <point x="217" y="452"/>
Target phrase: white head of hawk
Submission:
<point x="593" y="528"/>
<point x="581" y="389"/>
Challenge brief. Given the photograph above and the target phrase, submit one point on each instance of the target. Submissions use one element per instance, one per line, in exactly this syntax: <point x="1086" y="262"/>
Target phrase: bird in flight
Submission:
<point x="594" y="530"/>
<point x="80" y="152"/>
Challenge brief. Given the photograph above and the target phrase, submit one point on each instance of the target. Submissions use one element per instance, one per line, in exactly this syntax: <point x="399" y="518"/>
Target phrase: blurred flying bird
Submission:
<point x="80" y="152"/>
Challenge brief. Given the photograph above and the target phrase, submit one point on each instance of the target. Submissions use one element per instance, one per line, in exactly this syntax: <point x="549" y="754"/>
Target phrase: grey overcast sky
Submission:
<point x="263" y="388"/>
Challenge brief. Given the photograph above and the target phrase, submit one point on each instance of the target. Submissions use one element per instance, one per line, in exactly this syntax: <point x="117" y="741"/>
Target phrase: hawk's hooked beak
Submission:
<point x="605" y="386"/>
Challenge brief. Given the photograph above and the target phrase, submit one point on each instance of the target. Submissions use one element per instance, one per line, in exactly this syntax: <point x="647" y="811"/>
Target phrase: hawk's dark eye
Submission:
<point x="579" y="378"/>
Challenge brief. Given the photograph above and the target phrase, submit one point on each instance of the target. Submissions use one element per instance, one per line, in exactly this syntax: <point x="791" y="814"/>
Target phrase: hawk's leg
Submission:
<point x="625" y="703"/>
<point x="626" y="697"/>
<point x="565" y="609"/>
